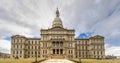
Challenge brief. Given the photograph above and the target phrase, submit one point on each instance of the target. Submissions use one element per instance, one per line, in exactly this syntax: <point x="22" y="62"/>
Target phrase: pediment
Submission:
<point x="97" y="36"/>
<point x="57" y="28"/>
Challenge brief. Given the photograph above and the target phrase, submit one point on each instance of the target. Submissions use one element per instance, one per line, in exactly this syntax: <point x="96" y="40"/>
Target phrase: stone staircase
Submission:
<point x="57" y="57"/>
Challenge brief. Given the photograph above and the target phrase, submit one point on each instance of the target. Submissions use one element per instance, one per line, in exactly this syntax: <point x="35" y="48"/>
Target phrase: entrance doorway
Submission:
<point x="57" y="51"/>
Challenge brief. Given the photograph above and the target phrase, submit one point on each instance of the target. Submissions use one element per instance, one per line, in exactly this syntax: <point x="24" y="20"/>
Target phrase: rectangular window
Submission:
<point x="20" y="52"/>
<point x="46" y="44"/>
<point x="21" y="46"/>
<point x="86" y="48"/>
<point x="35" y="47"/>
<point x="69" y="52"/>
<point x="77" y="42"/>
<point x="97" y="52"/>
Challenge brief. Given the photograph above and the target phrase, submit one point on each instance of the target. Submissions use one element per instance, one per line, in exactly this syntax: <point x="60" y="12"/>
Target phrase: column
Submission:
<point x="54" y="44"/>
<point x="59" y="44"/>
<point x="59" y="51"/>
<point x="52" y="51"/>
<point x="55" y="51"/>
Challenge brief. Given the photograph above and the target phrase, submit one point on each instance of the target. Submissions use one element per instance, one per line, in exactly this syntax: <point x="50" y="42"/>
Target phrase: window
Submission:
<point x="86" y="53"/>
<point x="20" y="52"/>
<point x="94" y="52"/>
<point x="97" y="52"/>
<point x="78" y="47"/>
<point x="32" y="47"/>
<point x="35" y="47"/>
<point x="77" y="42"/>
<point x="69" y="51"/>
<point x="70" y="44"/>
<point x="13" y="40"/>
<point x="37" y="42"/>
<point x="46" y="44"/>
<point x="13" y="52"/>
<point x="28" y="52"/>
<point x="43" y="44"/>
<point x="101" y="52"/>
<point x="17" y="46"/>
<point x="32" y="42"/>
<point x="32" y="52"/>
<point x="86" y="47"/>
<point x="46" y="51"/>
<point x="95" y="47"/>
<point x="28" y="47"/>
<point x="79" y="53"/>
<point x="38" y="52"/>
<point x="16" y="52"/>
<point x="21" y="46"/>
<point x="19" y="40"/>
<point x="86" y="42"/>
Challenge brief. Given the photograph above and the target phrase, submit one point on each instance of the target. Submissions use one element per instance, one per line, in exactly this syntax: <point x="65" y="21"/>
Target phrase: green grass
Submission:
<point x="98" y="61"/>
<point x="30" y="60"/>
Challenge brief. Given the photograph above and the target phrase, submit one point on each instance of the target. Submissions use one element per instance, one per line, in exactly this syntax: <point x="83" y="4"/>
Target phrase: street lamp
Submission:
<point x="80" y="60"/>
<point x="36" y="57"/>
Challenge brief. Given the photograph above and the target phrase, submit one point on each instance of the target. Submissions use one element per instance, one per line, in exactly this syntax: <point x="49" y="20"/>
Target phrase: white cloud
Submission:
<point x="27" y="17"/>
<point x="112" y="50"/>
<point x="5" y="46"/>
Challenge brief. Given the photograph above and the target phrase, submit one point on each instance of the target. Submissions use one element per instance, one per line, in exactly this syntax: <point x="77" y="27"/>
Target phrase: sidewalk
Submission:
<point x="57" y="61"/>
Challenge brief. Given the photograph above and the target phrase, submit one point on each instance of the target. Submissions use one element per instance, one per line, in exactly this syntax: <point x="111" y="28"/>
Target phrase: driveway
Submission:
<point x="57" y="61"/>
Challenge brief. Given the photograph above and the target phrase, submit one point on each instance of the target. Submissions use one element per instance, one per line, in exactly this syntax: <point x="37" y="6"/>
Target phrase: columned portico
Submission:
<point x="57" y="44"/>
<point x="57" y="51"/>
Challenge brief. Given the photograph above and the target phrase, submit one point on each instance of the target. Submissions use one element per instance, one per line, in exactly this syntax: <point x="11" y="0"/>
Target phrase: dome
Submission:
<point x="57" y="21"/>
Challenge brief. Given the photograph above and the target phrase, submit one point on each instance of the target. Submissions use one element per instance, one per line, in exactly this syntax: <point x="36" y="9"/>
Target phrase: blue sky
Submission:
<point x="87" y="17"/>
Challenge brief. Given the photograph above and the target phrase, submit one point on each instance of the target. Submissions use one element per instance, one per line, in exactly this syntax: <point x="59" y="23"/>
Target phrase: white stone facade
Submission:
<point x="57" y="42"/>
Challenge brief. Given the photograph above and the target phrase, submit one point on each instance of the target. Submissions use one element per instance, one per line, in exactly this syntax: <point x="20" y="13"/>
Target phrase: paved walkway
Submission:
<point x="57" y="61"/>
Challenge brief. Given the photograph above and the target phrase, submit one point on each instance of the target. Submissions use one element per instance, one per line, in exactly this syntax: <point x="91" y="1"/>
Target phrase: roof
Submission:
<point x="97" y="36"/>
<point x="81" y="39"/>
<point x="34" y="38"/>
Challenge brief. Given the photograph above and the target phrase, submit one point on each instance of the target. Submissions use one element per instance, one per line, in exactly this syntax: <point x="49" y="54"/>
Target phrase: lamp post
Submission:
<point x="36" y="57"/>
<point x="80" y="60"/>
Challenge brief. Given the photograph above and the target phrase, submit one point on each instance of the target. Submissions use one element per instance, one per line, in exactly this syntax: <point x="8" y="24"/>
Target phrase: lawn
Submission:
<point x="99" y="61"/>
<point x="30" y="60"/>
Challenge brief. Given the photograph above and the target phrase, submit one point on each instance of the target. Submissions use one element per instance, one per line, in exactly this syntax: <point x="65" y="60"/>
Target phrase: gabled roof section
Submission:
<point x="57" y="28"/>
<point x="34" y="38"/>
<point x="20" y="36"/>
<point x="81" y="39"/>
<point x="97" y="36"/>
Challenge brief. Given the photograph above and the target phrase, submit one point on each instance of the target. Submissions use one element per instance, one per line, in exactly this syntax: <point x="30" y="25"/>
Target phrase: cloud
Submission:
<point x="5" y="46"/>
<point x="27" y="17"/>
<point x="112" y="50"/>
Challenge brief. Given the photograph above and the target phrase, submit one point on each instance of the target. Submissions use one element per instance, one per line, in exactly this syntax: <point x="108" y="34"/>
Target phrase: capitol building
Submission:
<point x="58" y="42"/>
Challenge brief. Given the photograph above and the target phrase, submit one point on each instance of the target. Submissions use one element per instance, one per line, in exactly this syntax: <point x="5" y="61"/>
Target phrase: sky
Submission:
<point x="87" y="17"/>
